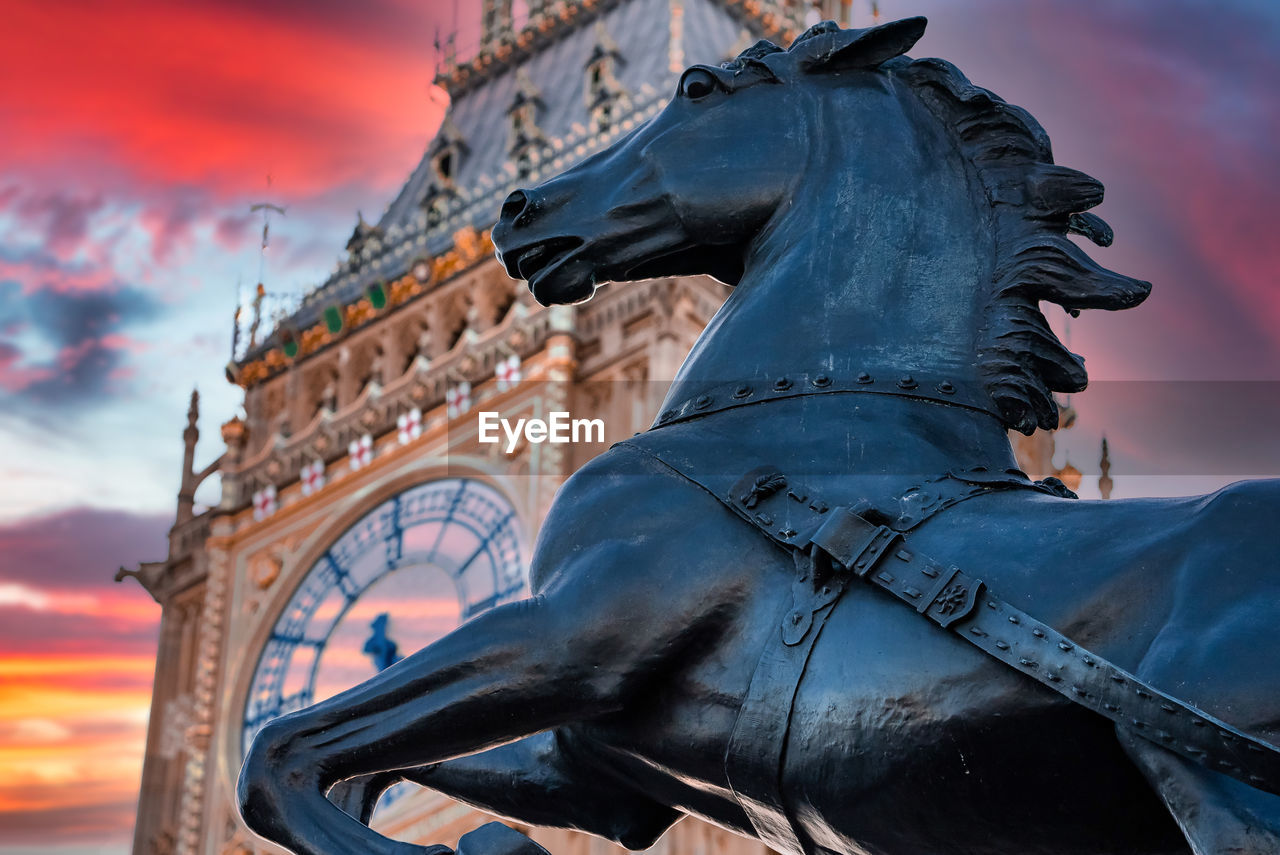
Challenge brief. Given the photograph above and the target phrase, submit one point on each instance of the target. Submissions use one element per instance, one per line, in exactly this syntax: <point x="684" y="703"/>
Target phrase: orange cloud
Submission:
<point x="72" y="734"/>
<point x="77" y="657"/>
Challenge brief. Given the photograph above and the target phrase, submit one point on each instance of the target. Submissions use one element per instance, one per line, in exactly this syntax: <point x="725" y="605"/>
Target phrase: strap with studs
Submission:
<point x="964" y="604"/>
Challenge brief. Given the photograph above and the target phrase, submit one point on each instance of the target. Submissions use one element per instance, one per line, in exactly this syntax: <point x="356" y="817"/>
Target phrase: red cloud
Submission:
<point x="214" y="95"/>
<point x="42" y="273"/>
<point x="15" y="374"/>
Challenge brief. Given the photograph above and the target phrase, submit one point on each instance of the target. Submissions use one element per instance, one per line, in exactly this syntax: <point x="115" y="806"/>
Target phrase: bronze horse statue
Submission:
<point x="890" y="231"/>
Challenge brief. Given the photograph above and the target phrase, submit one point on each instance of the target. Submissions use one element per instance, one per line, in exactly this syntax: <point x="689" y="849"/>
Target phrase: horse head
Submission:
<point x="884" y="207"/>
<point x="690" y="190"/>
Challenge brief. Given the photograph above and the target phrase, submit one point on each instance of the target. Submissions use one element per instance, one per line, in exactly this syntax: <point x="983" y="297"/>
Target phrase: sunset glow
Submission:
<point x="135" y="135"/>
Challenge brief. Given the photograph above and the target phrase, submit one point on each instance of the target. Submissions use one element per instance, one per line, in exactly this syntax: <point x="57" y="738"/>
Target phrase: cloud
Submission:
<point x="232" y="231"/>
<point x="79" y="821"/>
<point x="1174" y="108"/>
<point x="37" y="270"/>
<point x="64" y="218"/>
<point x="64" y="346"/>
<point x="217" y="95"/>
<point x="58" y="595"/>
<point x="78" y="550"/>
<point x="15" y="374"/>
<point x="77" y="654"/>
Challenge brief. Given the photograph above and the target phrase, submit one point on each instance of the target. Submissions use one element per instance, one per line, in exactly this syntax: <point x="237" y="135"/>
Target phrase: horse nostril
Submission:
<point x="514" y="205"/>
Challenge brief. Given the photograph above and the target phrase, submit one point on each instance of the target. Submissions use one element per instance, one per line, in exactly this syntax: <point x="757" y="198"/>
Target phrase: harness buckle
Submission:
<point x="854" y="543"/>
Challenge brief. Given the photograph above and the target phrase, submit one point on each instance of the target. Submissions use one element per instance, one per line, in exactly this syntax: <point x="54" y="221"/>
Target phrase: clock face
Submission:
<point x="406" y="574"/>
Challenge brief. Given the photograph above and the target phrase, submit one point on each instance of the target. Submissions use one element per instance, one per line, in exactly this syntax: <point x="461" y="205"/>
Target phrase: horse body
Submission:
<point x="893" y="718"/>
<point x="607" y="701"/>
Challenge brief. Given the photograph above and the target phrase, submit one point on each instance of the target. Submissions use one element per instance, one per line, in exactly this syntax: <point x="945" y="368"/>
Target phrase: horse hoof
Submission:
<point x="497" y="839"/>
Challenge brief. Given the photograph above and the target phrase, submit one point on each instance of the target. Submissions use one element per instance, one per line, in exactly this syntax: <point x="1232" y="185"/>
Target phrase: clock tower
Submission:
<point x="362" y="513"/>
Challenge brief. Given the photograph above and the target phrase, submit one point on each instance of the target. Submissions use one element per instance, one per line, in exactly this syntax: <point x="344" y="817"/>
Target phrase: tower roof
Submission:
<point x="651" y="41"/>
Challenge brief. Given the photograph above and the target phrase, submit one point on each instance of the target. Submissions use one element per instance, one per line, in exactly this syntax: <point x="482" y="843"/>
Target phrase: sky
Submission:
<point x="135" y="135"/>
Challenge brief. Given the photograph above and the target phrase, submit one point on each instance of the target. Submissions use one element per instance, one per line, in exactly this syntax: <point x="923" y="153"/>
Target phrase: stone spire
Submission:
<point x="190" y="436"/>
<point x="1104" y="480"/>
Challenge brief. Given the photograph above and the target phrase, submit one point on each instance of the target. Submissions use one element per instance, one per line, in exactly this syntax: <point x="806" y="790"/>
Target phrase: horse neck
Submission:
<point x="892" y="283"/>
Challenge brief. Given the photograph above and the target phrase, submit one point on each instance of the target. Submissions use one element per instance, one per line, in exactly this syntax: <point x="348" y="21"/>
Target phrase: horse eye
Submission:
<point x="698" y="83"/>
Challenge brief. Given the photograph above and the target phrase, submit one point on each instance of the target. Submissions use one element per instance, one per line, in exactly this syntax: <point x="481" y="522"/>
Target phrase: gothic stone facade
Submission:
<point x="357" y="471"/>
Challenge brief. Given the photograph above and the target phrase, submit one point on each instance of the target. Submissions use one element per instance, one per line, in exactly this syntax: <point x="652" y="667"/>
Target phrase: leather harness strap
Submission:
<point x="835" y="546"/>
<point x="753" y="759"/>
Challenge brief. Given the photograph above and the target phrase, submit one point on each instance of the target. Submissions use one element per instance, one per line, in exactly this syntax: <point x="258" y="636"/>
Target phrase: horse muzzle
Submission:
<point x="549" y="263"/>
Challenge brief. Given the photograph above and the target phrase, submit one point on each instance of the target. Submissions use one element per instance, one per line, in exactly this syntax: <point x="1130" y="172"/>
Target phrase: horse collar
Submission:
<point x="935" y="388"/>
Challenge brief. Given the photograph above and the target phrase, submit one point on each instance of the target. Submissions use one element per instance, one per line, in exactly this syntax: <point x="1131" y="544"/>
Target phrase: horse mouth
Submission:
<point x="528" y="261"/>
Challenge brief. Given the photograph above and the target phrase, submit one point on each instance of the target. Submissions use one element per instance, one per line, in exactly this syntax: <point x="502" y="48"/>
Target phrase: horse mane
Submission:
<point x="1035" y="204"/>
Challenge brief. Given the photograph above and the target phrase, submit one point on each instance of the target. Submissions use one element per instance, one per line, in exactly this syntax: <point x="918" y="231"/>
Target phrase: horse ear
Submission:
<point x="834" y="49"/>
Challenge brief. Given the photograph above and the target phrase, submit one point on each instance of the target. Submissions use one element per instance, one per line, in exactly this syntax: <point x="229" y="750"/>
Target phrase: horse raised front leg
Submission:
<point x="515" y="670"/>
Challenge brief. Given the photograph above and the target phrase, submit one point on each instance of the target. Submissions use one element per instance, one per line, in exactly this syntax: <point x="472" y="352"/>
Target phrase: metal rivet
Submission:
<point x="1079" y="690"/>
<point x="1142" y="693"/>
<point x="1063" y="645"/>
<point x="821" y="381"/>
<point x="702" y="402"/>
<point x="991" y="604"/>
<point x="796" y="617"/>
<point x="1165" y="736"/>
<point x="1013" y="619"/>
<point x="907" y="382"/>
<point x="825" y="591"/>
<point x="946" y="388"/>
<point x="973" y="630"/>
<point x="1117" y="678"/>
<point x="913" y="593"/>
<point x="788" y="532"/>
<point x="1198" y="722"/>
<point x="1038" y="633"/>
<point x="1139" y="723"/>
<point x="667" y="416"/>
<point x="865" y="378"/>
<point x="1052" y="677"/>
<point x="782" y="384"/>
<point x="1029" y="663"/>
<point x="1088" y="660"/>
<point x="1169" y="708"/>
<point x="743" y="391"/>
<point x="1003" y="645"/>
<point x="1111" y="708"/>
